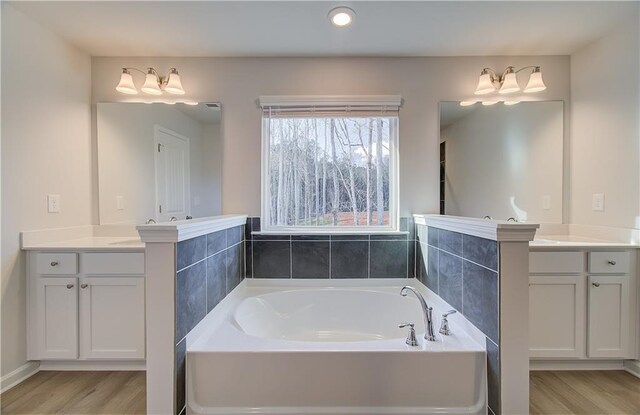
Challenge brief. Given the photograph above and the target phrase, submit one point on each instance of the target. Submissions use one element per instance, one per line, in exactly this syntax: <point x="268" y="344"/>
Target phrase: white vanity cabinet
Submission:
<point x="580" y="304"/>
<point x="86" y="305"/>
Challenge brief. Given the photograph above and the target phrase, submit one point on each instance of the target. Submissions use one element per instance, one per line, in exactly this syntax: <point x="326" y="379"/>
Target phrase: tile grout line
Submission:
<point x="464" y="259"/>
<point x="207" y="257"/>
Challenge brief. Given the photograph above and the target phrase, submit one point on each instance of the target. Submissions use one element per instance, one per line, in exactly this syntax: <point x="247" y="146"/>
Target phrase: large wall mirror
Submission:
<point x="158" y="161"/>
<point x="502" y="161"/>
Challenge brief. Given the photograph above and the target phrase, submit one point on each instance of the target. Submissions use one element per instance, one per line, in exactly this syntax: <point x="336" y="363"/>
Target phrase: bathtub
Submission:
<point x="329" y="347"/>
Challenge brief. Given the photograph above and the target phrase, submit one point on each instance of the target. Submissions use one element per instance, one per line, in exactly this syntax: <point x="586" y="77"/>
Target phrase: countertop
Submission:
<point x="560" y="242"/>
<point x="91" y="243"/>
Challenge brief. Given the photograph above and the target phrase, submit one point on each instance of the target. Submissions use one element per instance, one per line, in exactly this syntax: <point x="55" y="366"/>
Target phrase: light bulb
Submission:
<point x="174" y="86"/>
<point x="487" y="103"/>
<point x="511" y="102"/>
<point x="467" y="103"/>
<point x="151" y="83"/>
<point x="510" y="83"/>
<point x="535" y="84"/>
<point x="341" y="16"/>
<point x="126" y="85"/>
<point x="485" y="84"/>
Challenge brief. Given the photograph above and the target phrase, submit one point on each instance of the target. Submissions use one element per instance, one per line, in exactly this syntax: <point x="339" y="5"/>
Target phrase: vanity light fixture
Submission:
<point x="153" y="83"/>
<point x="341" y="16"/>
<point x="507" y="82"/>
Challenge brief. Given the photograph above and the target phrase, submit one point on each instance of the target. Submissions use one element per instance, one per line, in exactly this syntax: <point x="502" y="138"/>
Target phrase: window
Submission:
<point x="330" y="166"/>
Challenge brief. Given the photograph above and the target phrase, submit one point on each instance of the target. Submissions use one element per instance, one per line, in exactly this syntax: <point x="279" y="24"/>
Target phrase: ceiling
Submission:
<point x="451" y="112"/>
<point x="202" y="113"/>
<point x="301" y="28"/>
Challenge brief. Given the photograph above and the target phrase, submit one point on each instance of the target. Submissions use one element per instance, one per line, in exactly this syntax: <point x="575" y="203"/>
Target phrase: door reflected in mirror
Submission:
<point x="502" y="161"/>
<point x="158" y="161"/>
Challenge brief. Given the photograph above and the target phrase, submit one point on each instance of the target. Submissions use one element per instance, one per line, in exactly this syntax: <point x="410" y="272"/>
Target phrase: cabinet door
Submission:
<point x="112" y="324"/>
<point x="557" y="316"/>
<point x="56" y="307"/>
<point x="608" y="316"/>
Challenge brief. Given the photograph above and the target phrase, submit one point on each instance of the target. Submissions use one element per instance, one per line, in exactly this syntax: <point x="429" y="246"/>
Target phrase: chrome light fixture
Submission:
<point x="535" y="84"/>
<point x="126" y="85"/>
<point x="153" y="83"/>
<point x="507" y="82"/>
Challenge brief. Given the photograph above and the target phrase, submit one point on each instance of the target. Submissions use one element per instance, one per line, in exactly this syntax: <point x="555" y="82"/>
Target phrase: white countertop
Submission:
<point x="551" y="242"/>
<point x="91" y="243"/>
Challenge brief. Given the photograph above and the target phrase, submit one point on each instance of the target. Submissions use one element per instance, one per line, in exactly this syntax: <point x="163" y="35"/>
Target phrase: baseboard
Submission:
<point x="92" y="365"/>
<point x="633" y="367"/>
<point x="576" y="365"/>
<point x="19" y="375"/>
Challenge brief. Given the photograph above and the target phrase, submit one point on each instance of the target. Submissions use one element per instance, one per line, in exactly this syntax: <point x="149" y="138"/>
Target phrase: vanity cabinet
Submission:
<point x="580" y="304"/>
<point x="54" y="328"/>
<point x="86" y="306"/>
<point x="557" y="310"/>
<point x="608" y="316"/>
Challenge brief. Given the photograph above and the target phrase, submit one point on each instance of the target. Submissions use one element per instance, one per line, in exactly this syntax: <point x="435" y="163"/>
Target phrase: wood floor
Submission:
<point x="116" y="393"/>
<point x="78" y="393"/>
<point x="584" y="392"/>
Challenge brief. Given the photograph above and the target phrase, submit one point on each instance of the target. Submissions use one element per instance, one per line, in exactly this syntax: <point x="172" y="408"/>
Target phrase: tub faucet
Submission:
<point x="426" y="310"/>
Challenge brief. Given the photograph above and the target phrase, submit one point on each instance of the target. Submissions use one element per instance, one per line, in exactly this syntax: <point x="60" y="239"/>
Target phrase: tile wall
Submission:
<point x="208" y="268"/>
<point x="464" y="271"/>
<point x="330" y="255"/>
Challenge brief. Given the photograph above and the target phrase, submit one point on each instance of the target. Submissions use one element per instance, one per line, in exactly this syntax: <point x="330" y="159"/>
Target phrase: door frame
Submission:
<point x="157" y="128"/>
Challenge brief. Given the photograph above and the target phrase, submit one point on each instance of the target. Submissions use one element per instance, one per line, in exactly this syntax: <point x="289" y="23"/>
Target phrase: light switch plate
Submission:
<point x="120" y="202"/>
<point x="546" y="202"/>
<point x="597" y="204"/>
<point x="53" y="203"/>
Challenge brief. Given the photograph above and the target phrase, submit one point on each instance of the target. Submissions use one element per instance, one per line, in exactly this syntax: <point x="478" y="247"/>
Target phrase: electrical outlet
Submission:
<point x="597" y="204"/>
<point x="546" y="202"/>
<point x="53" y="203"/>
<point x="120" y="202"/>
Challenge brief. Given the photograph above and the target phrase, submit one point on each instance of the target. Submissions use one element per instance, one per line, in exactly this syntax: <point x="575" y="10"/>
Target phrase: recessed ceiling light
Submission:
<point x="341" y="16"/>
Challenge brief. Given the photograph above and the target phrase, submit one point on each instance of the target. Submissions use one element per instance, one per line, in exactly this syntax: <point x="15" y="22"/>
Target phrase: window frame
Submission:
<point x="394" y="182"/>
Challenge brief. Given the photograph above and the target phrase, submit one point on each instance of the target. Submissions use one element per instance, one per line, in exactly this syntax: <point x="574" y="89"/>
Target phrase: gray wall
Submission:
<point x="238" y="82"/>
<point x="46" y="149"/>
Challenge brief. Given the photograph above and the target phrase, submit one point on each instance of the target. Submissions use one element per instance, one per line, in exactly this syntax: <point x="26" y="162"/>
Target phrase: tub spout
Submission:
<point x="426" y="311"/>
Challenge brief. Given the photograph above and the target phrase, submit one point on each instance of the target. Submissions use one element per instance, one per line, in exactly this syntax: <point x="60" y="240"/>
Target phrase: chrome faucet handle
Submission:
<point x="411" y="336"/>
<point x="444" y="325"/>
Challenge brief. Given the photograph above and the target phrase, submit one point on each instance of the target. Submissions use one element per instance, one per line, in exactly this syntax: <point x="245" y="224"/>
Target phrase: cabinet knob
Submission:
<point x="83" y="286"/>
<point x="69" y="286"/>
<point x="611" y="262"/>
<point x="595" y="284"/>
<point x="54" y="263"/>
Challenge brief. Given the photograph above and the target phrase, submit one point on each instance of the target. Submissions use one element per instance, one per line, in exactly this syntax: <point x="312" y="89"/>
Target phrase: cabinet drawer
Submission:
<point x="609" y="262"/>
<point x="556" y="262"/>
<point x="57" y="263"/>
<point x="113" y="263"/>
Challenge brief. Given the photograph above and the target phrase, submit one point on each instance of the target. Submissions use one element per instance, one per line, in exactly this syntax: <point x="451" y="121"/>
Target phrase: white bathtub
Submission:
<point x="329" y="347"/>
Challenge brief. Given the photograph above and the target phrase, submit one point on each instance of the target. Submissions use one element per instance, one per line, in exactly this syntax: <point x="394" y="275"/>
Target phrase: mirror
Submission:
<point x="158" y="161"/>
<point x="502" y="160"/>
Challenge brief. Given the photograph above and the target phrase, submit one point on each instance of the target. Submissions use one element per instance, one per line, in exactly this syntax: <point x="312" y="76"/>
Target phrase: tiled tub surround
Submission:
<point x="208" y="268"/>
<point x="464" y="266"/>
<point x="330" y="256"/>
<point x="193" y="266"/>
<point x="463" y="271"/>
